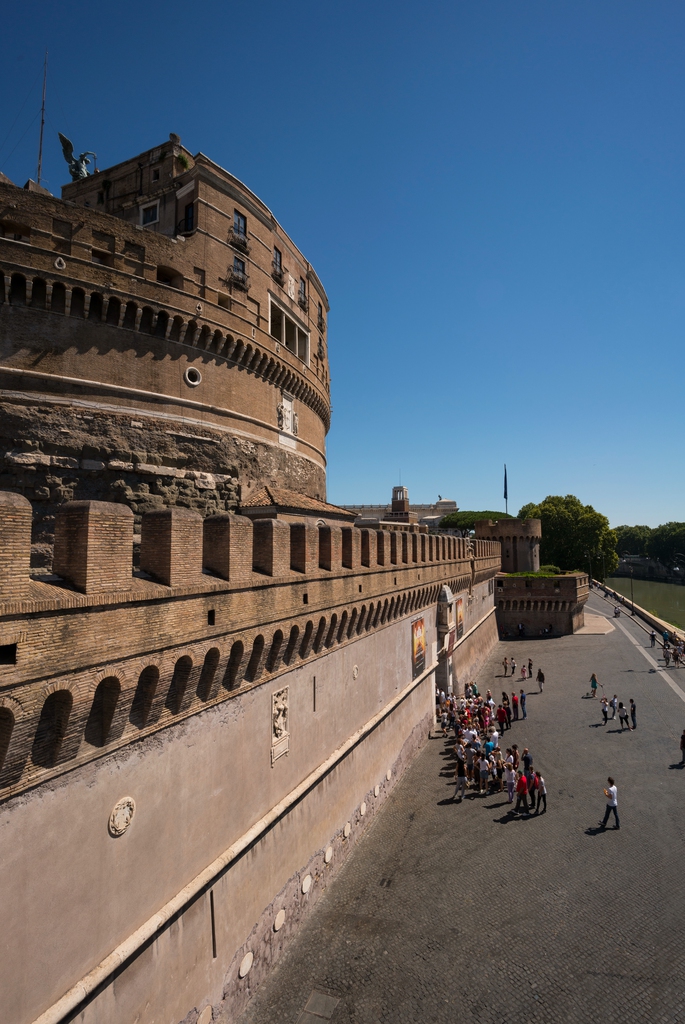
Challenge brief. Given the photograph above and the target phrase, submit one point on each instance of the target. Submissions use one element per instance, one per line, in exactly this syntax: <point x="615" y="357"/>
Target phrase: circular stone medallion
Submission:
<point x="245" y="964"/>
<point x="280" y="920"/>
<point x="121" y="816"/>
<point x="306" y="884"/>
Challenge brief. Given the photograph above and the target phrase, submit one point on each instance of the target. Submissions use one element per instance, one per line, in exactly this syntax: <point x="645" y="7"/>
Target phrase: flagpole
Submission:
<point x="506" y="492"/>
<point x="42" y="121"/>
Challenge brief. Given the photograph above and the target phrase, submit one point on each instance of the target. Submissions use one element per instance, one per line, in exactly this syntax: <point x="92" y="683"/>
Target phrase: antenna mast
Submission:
<point x="42" y="120"/>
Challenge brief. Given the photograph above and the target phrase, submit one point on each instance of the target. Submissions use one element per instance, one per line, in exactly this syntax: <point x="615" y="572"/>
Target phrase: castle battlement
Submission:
<point x="219" y="605"/>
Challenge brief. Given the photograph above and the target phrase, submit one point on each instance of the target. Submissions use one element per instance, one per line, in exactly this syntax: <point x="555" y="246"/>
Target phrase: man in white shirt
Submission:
<point x="612" y="803"/>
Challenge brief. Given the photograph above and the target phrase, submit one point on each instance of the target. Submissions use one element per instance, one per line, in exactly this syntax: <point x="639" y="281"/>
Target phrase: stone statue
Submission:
<point x="77" y="167"/>
<point x="280" y="713"/>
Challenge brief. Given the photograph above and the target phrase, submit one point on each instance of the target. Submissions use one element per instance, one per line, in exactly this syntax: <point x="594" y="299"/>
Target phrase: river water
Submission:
<point x="666" y="600"/>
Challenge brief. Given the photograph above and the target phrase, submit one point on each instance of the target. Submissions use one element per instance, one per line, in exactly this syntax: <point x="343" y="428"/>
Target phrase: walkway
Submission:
<point x="451" y="912"/>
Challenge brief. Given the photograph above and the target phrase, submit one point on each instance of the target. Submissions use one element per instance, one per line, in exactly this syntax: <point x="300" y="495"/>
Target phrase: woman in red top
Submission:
<point x="515" y="706"/>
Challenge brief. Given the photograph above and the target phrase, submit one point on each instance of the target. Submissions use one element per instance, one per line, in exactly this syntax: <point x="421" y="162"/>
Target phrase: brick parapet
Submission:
<point x="231" y="633"/>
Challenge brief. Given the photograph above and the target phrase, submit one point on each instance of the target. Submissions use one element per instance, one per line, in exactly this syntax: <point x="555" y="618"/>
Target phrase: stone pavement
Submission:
<point x="450" y="912"/>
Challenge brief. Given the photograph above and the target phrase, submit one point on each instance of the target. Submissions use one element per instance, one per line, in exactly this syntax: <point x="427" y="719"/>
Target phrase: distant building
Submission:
<point x="425" y="515"/>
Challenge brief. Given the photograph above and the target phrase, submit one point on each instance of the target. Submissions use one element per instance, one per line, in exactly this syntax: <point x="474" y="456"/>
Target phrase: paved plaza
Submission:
<point x="463" y="912"/>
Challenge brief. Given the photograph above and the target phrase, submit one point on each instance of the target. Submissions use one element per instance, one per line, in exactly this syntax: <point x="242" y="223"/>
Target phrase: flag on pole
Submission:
<point x="506" y="493"/>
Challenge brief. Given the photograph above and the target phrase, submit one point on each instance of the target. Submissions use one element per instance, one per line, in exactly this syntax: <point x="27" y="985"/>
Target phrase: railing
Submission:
<point x="277" y="272"/>
<point x="303" y="302"/>
<point x="184" y="227"/>
<point x="239" y="279"/>
<point x="238" y="240"/>
<point x="321" y="324"/>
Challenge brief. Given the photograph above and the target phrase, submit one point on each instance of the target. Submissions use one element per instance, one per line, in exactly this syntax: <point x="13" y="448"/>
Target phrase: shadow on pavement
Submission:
<point x="677" y="764"/>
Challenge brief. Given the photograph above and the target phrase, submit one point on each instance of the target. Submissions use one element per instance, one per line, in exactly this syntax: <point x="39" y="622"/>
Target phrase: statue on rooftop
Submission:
<point x="77" y="166"/>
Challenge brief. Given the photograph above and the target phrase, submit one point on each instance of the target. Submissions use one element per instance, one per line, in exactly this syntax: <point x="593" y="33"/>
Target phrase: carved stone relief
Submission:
<point x="121" y="816"/>
<point x="280" y="724"/>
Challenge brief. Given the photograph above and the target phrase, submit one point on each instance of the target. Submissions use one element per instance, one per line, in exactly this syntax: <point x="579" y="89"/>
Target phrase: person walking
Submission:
<point x="515" y="705"/>
<point x="612" y="803"/>
<point x="524" y="671"/>
<point x="530" y="668"/>
<point x="484" y="772"/>
<point x="623" y="716"/>
<point x="505" y="665"/>
<point x="460" y="774"/>
<point x="513" y="667"/>
<point x="613" y="703"/>
<point x="541" y="679"/>
<point x="542" y="793"/>
<point x="593" y="684"/>
<point x="633" y="713"/>
<point x="522" y="702"/>
<point x="605" y="710"/>
<point x="652" y="639"/>
<point x="682" y="748"/>
<point x="521" y="794"/>
<point x="667" y="656"/>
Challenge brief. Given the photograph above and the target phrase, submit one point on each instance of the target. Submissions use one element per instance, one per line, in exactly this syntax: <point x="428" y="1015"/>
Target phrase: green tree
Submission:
<point x="632" y="540"/>
<point x="667" y="541"/>
<point x="573" y="533"/>
<point x="466" y="520"/>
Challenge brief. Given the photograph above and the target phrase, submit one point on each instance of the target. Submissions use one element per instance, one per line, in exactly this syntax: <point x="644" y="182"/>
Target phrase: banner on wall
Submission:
<point x="418" y="647"/>
<point x="459" y="614"/>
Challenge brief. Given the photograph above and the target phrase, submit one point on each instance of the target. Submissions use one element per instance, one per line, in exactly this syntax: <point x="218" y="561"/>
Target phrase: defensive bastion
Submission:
<point x="189" y="750"/>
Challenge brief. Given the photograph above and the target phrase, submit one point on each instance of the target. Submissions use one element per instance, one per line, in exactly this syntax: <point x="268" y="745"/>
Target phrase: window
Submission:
<point x="289" y="333"/>
<point x="149" y="214"/>
<point x="189" y="217"/>
<point x="277" y="266"/>
<point x="320" y="319"/>
<point x="238" y="275"/>
<point x="239" y="224"/>
<point x="167" y="275"/>
<point x="302" y="298"/>
<point x="102" y="257"/>
<point x="155" y="175"/>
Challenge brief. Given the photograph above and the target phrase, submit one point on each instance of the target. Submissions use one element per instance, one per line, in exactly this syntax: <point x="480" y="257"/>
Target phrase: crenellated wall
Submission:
<point x="519" y="540"/>
<point x="218" y="605"/>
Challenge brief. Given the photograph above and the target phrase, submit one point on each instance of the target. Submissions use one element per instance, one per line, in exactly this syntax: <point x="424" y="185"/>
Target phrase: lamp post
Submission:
<point x="632" y="602"/>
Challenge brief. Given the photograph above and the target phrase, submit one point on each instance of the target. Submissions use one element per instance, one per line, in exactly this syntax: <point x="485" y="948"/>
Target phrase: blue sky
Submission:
<point x="491" y="192"/>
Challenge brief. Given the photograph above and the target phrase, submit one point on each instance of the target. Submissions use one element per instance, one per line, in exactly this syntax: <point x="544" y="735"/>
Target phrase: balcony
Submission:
<point x="184" y="227"/>
<point x="238" y="279"/>
<point x="238" y="240"/>
<point x="303" y="302"/>
<point x="277" y="272"/>
<point x="321" y="324"/>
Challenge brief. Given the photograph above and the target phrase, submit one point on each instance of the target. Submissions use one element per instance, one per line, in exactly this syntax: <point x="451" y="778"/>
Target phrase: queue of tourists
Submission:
<point x="484" y="763"/>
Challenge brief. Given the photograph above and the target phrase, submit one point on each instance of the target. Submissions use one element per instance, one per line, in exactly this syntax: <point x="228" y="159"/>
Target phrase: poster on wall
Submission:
<point x="418" y="648"/>
<point x="460" y="617"/>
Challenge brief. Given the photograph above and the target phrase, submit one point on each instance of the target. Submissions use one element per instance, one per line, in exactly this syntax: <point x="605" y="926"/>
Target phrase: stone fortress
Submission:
<point x="162" y="342"/>
<point x="200" y="711"/>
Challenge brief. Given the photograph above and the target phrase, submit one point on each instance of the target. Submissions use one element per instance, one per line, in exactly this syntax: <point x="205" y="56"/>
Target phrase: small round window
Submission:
<point x="192" y="377"/>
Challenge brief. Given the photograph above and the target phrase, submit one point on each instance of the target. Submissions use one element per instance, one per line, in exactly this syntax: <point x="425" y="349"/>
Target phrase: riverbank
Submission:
<point x="665" y="600"/>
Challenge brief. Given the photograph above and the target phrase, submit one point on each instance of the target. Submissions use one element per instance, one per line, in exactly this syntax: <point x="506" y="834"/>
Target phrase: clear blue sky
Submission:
<point x="491" y="192"/>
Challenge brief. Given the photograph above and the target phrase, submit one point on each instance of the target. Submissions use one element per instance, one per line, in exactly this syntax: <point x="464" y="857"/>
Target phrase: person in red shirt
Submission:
<point x="521" y="794"/>
<point x="515" y="706"/>
<point x="501" y="717"/>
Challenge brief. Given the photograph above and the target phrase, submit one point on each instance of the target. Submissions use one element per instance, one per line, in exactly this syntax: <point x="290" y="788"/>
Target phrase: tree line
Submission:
<point x="665" y="543"/>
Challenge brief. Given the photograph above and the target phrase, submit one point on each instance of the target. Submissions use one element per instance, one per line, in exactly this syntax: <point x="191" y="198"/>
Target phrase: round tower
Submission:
<point x="519" y="539"/>
<point x="162" y="342"/>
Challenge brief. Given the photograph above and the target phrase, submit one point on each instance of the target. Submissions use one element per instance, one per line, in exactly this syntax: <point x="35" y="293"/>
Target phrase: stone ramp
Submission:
<point x="595" y="625"/>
